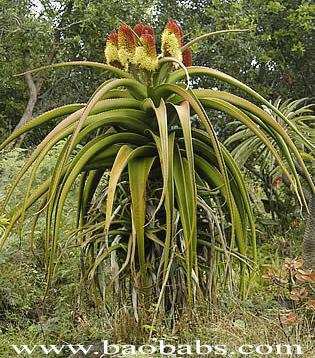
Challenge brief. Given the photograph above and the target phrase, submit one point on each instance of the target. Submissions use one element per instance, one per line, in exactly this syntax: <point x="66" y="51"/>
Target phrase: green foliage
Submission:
<point x="153" y="183"/>
<point x="273" y="57"/>
<point x="142" y="205"/>
<point x="18" y="50"/>
<point x="256" y="158"/>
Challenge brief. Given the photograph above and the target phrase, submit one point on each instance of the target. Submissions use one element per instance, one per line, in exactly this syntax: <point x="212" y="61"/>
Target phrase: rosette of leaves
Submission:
<point x="300" y="116"/>
<point x="163" y="211"/>
<point x="246" y="148"/>
<point x="256" y="157"/>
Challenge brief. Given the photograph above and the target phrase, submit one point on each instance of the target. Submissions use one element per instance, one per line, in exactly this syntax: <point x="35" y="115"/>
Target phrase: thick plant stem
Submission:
<point x="309" y="236"/>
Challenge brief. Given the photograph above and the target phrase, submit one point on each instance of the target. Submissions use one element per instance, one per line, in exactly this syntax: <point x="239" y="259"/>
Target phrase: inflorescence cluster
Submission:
<point x="137" y="46"/>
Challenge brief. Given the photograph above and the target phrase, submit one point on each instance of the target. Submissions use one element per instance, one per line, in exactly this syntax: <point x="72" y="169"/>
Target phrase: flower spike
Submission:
<point x="172" y="40"/>
<point x="175" y="28"/>
<point x="187" y="57"/>
<point x="141" y="29"/>
<point x="126" y="45"/>
<point x="146" y="56"/>
<point x="111" y="50"/>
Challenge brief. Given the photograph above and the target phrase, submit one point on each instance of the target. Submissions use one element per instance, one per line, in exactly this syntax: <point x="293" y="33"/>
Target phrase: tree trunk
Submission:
<point x="34" y="89"/>
<point x="309" y="236"/>
<point x="28" y="113"/>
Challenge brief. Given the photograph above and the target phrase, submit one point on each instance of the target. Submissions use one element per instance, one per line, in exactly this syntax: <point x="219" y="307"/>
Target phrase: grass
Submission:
<point x="67" y="315"/>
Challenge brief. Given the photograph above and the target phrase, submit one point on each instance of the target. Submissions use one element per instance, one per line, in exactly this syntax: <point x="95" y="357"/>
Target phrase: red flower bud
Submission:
<point x="145" y="56"/>
<point x="141" y="29"/>
<point x="126" y="45"/>
<point x="174" y="27"/>
<point x="112" y="38"/>
<point x="126" y="38"/>
<point x="187" y="57"/>
<point x="111" y="50"/>
<point x="149" y="43"/>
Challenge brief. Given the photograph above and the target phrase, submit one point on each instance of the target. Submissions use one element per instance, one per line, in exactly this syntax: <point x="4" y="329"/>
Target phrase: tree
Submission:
<point x="19" y="51"/>
<point x="52" y="31"/>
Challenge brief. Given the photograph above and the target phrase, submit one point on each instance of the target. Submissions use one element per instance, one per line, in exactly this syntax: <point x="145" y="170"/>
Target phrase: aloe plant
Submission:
<point x="246" y="147"/>
<point x="300" y="116"/>
<point x="160" y="198"/>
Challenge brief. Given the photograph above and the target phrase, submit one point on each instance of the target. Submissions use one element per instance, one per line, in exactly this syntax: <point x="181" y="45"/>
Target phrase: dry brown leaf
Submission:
<point x="305" y="276"/>
<point x="311" y="304"/>
<point x="289" y="319"/>
<point x="298" y="294"/>
<point x="293" y="264"/>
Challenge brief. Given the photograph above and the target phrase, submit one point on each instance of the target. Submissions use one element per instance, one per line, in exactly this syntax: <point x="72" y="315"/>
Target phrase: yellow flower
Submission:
<point x="126" y="45"/>
<point x="172" y="40"/>
<point x="145" y="55"/>
<point x="111" y="50"/>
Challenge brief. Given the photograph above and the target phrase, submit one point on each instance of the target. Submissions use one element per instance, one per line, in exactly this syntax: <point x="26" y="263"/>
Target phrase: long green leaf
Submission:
<point x="162" y="145"/>
<point x="139" y="169"/>
<point x="263" y="116"/>
<point x="199" y="70"/>
<point x="114" y="70"/>
<point x="124" y="155"/>
<point x="187" y="209"/>
<point x="41" y="119"/>
<point x="189" y="96"/>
